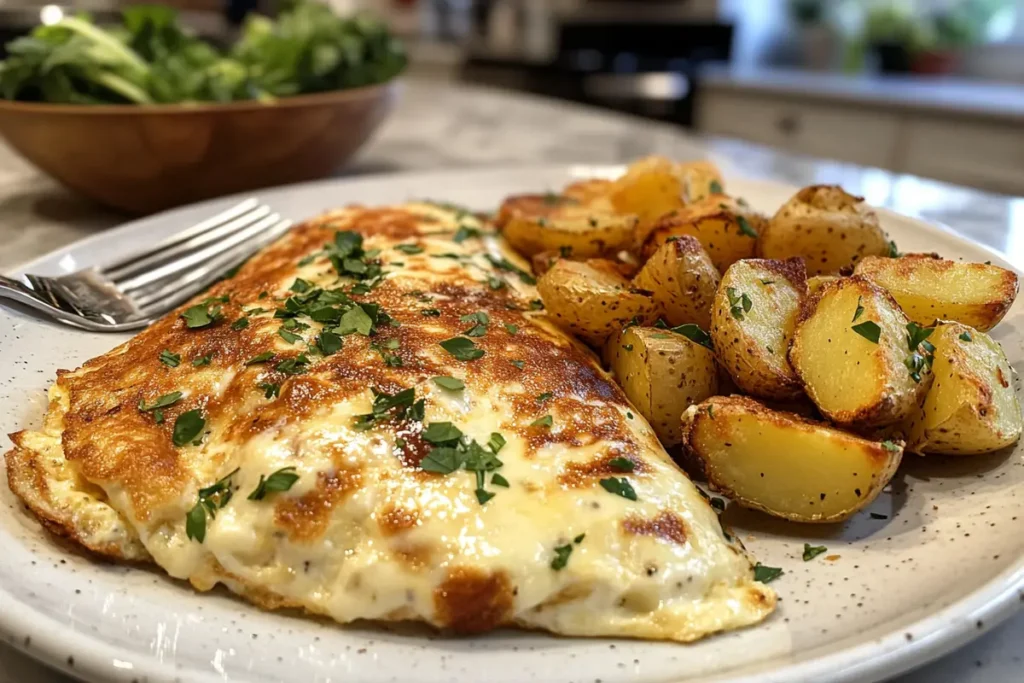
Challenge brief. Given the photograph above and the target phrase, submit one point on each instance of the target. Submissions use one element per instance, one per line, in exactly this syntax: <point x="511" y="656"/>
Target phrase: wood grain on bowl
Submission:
<point x="146" y="159"/>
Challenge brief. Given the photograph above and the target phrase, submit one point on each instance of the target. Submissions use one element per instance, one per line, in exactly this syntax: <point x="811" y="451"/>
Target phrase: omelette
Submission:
<point x="374" y="419"/>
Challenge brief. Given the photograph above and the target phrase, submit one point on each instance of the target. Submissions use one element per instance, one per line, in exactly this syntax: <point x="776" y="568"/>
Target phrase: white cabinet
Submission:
<point x="960" y="147"/>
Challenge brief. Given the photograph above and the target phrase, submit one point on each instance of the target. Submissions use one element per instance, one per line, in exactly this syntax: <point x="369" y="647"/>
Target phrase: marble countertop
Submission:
<point x="441" y="125"/>
<point x="945" y="95"/>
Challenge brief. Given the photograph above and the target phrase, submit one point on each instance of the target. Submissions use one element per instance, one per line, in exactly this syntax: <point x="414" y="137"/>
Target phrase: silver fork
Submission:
<point x="135" y="291"/>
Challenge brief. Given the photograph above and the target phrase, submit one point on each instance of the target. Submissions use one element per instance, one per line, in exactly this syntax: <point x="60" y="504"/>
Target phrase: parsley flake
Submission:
<point x="519" y="364"/>
<point x="270" y="390"/>
<point x="812" y="551"/>
<point x="496" y="442"/>
<point x="860" y="309"/>
<point x="511" y="329"/>
<point x="745" y="227"/>
<point x="328" y="342"/>
<point x="869" y="330"/>
<point x="462" y="348"/>
<point x="171" y="360"/>
<point x="187" y="427"/>
<point x="279" y="481"/>
<point x="202" y="314"/>
<point x="966" y="336"/>
<point x="449" y="383"/>
<point x="289" y="337"/>
<point x="545" y="421"/>
<point x="621" y="464"/>
<point x="715" y="187"/>
<point x="260" y="358"/>
<point x="202" y="360"/>
<point x="890" y="446"/>
<point x="620" y="486"/>
<point x="766" y="574"/>
<point x="694" y="334"/>
<point x="561" y="558"/>
<point x="211" y="499"/>
<point x="739" y="303"/>
<point x="409" y="249"/>
<point x="240" y="324"/>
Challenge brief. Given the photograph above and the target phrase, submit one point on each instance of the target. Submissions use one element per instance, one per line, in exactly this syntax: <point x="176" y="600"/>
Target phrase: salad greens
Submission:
<point x="151" y="58"/>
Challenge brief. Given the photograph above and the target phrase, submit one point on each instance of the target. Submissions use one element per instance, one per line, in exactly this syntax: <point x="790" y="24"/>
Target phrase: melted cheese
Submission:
<point x="365" y="533"/>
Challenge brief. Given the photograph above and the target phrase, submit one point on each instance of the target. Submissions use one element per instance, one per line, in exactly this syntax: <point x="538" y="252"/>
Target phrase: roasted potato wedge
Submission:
<point x="852" y="352"/>
<point x="827" y="227"/>
<point x="752" y="323"/>
<point x="683" y="280"/>
<point x="726" y="229"/>
<point x="783" y="464"/>
<point x="971" y="406"/>
<point x="930" y="288"/>
<point x="663" y="374"/>
<point x="536" y="223"/>
<point x="701" y="179"/>
<point x="592" y="303"/>
<point x="589" y="189"/>
<point x="650" y="188"/>
<point x="543" y="261"/>
<point x="816" y="283"/>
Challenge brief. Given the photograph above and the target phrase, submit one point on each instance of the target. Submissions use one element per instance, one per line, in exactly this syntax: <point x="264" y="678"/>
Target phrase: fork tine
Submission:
<point x="196" y="258"/>
<point x="180" y="244"/>
<point x="170" y="294"/>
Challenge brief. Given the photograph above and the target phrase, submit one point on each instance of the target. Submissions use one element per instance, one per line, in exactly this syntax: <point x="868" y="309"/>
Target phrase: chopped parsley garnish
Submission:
<point x="890" y="446"/>
<point x="203" y="314"/>
<point x="270" y="390"/>
<point x="441" y="433"/>
<point x="483" y="495"/>
<point x="767" y="282"/>
<point x="505" y="264"/>
<point x="715" y="187"/>
<point x="279" y="481"/>
<point x="464" y="233"/>
<point x="289" y="337"/>
<point x="409" y="248"/>
<point x="694" y="334"/>
<point x="496" y="442"/>
<point x="766" y="574"/>
<point x="240" y="324"/>
<point x="498" y="480"/>
<point x="519" y="364"/>
<point x="293" y="366"/>
<point x="869" y="330"/>
<point x="536" y="305"/>
<point x="480" y="322"/>
<point x="739" y="303"/>
<point x="966" y="336"/>
<point x="171" y="360"/>
<point x="328" y="342"/>
<point x="745" y="227"/>
<point x="450" y="383"/>
<point x="211" y="499"/>
<point x="545" y="421"/>
<point x="860" y="309"/>
<point x="356" y="319"/>
<point x="162" y="402"/>
<point x="300" y="286"/>
<point x="392" y="360"/>
<point x="511" y="329"/>
<point x="620" y="486"/>
<point x="893" y="251"/>
<point x="544" y="397"/>
<point x="348" y="258"/>
<point x="400" y="405"/>
<point x="442" y="460"/>
<point x="561" y="558"/>
<point x="620" y="464"/>
<point x="916" y="362"/>
<point x="462" y="348"/>
<point x="430" y="312"/>
<point x="260" y="358"/>
<point x="202" y="360"/>
<point x="495" y="282"/>
<point x="187" y="427"/>
<point x="812" y="551"/>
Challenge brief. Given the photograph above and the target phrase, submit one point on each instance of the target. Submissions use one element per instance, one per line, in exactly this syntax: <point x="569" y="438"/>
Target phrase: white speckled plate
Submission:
<point x="945" y="564"/>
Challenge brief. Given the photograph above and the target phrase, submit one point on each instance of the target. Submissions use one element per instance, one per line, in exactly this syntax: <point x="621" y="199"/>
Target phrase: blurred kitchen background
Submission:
<point x="933" y="88"/>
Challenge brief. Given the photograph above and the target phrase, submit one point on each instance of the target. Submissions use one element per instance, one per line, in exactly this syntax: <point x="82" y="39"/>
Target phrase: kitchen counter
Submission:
<point x="441" y="125"/>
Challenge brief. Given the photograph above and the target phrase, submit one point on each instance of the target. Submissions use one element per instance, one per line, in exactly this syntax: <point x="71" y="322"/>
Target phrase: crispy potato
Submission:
<point x="971" y="406"/>
<point x="543" y="261"/>
<point x="663" y="374"/>
<point x="816" y="283"/>
<point x="825" y="226"/>
<point x="683" y="279"/>
<point x="783" y="464"/>
<point x="589" y="189"/>
<point x="726" y="229"/>
<point x="650" y="188"/>
<point x="752" y="323"/>
<point x="537" y="223"/>
<point x="590" y="302"/>
<point x="930" y="288"/>
<point x="852" y="379"/>
<point x="700" y="180"/>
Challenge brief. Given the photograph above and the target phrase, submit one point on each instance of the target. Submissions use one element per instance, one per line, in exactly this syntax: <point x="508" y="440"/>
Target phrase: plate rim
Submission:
<point x="934" y="634"/>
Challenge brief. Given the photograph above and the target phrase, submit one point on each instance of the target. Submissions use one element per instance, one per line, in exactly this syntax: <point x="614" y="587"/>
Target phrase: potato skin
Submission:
<point x="930" y="288"/>
<point x="536" y="223"/>
<point x="827" y="227"/>
<point x="971" y="406"/>
<point x="543" y="261"/>
<point x="701" y="179"/>
<point x="590" y="302"/>
<point x="783" y="464"/>
<point x="752" y="344"/>
<point x="683" y="280"/>
<point x="852" y="380"/>
<point x="663" y="374"/>
<point x="726" y="229"/>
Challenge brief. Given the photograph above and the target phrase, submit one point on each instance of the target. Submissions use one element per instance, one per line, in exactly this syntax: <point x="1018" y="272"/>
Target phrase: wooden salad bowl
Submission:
<point x="143" y="159"/>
